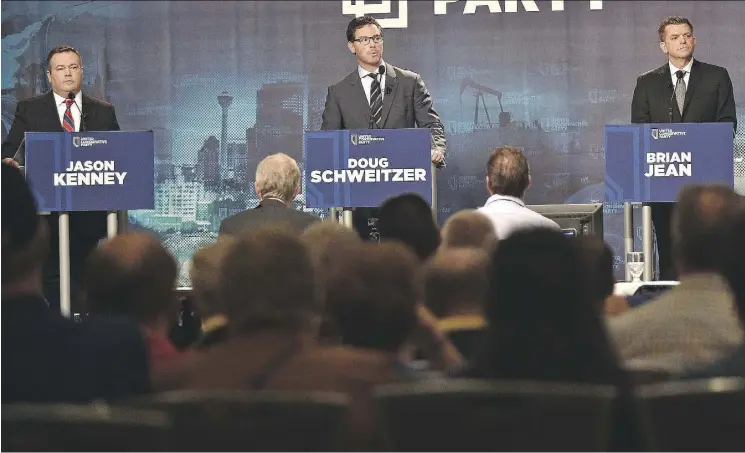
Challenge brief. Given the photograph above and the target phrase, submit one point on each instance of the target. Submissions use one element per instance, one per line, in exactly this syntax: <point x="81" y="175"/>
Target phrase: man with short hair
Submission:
<point x="64" y="108"/>
<point x="695" y="321"/>
<point x="133" y="275"/>
<point x="378" y="95"/>
<point x="46" y="357"/>
<point x="277" y="184"/>
<point x="468" y="228"/>
<point x="682" y="90"/>
<point x="507" y="179"/>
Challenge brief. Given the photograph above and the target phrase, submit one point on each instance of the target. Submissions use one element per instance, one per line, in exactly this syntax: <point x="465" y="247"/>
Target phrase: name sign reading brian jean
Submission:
<point x="363" y="168"/>
<point x="652" y="162"/>
<point x="91" y="171"/>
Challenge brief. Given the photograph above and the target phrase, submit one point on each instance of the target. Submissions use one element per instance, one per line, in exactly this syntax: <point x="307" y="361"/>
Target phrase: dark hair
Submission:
<point x="139" y="284"/>
<point x="508" y="172"/>
<point x="734" y="257"/>
<point x="597" y="264"/>
<point x="359" y="22"/>
<point x="372" y="296"/>
<point x="62" y="49"/>
<point x="699" y="220"/>
<point x="672" y="20"/>
<point x="542" y="323"/>
<point x="408" y="218"/>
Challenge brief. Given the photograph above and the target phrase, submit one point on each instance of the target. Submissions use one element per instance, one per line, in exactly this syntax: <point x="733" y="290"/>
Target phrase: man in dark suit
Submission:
<point x="46" y="357"/>
<point x="377" y="95"/>
<point x="65" y="108"/>
<point x="277" y="184"/>
<point x="683" y="90"/>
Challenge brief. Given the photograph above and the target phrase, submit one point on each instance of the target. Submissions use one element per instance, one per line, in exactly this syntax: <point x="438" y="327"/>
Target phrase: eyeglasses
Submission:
<point x="365" y="40"/>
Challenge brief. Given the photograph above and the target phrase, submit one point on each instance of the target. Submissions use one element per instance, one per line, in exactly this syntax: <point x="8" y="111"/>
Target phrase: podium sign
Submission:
<point x="363" y="168"/>
<point x="91" y="171"/>
<point x="652" y="162"/>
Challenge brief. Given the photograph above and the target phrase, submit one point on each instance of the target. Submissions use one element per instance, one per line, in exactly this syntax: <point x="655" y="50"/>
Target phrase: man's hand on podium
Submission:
<point x="438" y="157"/>
<point x="11" y="162"/>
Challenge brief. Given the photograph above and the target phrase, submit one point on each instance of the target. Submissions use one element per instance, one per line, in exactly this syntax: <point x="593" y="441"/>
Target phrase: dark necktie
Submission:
<point x="67" y="122"/>
<point x="680" y="90"/>
<point x="376" y="99"/>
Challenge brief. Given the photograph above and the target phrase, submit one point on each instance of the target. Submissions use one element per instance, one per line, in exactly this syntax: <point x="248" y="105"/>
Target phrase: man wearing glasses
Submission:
<point x="378" y="95"/>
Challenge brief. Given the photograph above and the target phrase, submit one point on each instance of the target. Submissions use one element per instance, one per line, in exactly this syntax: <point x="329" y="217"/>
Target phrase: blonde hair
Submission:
<point x="278" y="176"/>
<point x="469" y="228"/>
<point x="205" y="275"/>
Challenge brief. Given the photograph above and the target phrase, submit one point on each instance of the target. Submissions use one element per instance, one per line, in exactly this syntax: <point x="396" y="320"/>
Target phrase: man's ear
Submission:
<point x="350" y="45"/>
<point x="488" y="185"/>
<point x="663" y="46"/>
<point x="530" y="182"/>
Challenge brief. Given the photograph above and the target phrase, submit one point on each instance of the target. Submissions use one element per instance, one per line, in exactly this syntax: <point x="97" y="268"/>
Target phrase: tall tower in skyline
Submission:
<point x="225" y="100"/>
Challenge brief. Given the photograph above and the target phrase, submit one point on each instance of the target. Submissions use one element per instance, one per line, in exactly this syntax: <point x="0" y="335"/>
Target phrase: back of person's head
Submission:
<point x="132" y="275"/>
<point x="328" y="239"/>
<point x="25" y="236"/>
<point x="456" y="281"/>
<point x="733" y="253"/>
<point x="596" y="258"/>
<point x="267" y="281"/>
<point x="278" y="176"/>
<point x="373" y="295"/>
<point x="469" y="228"/>
<point x="508" y="172"/>
<point x="204" y="274"/>
<point x="542" y="323"/>
<point x="407" y="218"/>
<point x="699" y="219"/>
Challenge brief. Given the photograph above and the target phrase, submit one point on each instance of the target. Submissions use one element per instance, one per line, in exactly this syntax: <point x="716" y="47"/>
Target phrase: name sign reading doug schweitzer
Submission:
<point x="363" y="168"/>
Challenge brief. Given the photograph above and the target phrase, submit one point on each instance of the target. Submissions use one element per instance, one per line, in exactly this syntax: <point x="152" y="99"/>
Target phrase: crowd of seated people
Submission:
<point x="310" y="306"/>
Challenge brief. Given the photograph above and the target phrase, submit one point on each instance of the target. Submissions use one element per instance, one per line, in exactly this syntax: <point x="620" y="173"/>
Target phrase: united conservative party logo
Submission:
<point x="364" y="139"/>
<point x="82" y="142"/>
<point x="659" y="134"/>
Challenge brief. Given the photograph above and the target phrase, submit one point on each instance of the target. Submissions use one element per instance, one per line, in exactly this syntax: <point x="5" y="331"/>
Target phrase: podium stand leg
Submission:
<point x="628" y="235"/>
<point x="346" y="218"/>
<point x="64" y="263"/>
<point x="434" y="190"/>
<point x="647" y="241"/>
<point x="334" y="214"/>
<point x="112" y="224"/>
<point x="122" y="221"/>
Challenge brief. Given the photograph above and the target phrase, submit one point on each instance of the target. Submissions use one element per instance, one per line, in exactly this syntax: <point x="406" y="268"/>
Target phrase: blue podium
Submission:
<point x="653" y="162"/>
<point x="89" y="171"/>
<point x="362" y="168"/>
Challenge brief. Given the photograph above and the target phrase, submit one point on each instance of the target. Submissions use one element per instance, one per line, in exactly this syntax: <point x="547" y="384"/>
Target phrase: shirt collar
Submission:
<point x="496" y="197"/>
<point x="364" y="72"/>
<point x="686" y="68"/>
<point x="59" y="100"/>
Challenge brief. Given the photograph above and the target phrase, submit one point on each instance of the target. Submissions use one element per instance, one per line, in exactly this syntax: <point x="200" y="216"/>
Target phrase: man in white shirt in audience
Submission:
<point x="507" y="179"/>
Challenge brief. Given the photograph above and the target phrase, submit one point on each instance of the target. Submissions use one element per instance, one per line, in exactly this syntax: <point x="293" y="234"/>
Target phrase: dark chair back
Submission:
<point x="82" y="427"/>
<point x="252" y="421"/>
<point x="696" y="415"/>
<point x="481" y="415"/>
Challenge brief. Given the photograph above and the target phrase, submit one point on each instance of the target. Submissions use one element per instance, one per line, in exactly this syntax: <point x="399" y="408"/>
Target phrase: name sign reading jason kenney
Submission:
<point x="91" y="171"/>
<point x="363" y="168"/>
<point x="653" y="162"/>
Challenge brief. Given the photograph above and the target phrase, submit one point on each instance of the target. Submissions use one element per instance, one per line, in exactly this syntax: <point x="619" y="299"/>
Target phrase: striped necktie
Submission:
<point x="680" y="90"/>
<point x="67" y="122"/>
<point x="376" y="99"/>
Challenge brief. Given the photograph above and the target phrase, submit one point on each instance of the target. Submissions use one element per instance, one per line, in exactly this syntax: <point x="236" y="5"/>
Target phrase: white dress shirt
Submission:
<point x="62" y="106"/>
<point x="367" y="81"/>
<point x="509" y="214"/>
<point x="686" y="68"/>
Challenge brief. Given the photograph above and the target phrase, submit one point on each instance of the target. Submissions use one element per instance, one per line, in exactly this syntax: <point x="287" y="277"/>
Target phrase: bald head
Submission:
<point x="456" y="281"/>
<point x="469" y="228"/>
<point x="699" y="220"/>
<point x="278" y="176"/>
<point x="131" y="275"/>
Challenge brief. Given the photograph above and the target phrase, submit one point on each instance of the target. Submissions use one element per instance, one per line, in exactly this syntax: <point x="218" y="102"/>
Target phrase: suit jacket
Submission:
<point x="709" y="97"/>
<point x="48" y="358"/>
<point x="267" y="212"/>
<point x="284" y="363"/>
<point x="406" y="104"/>
<point x="39" y="114"/>
<point x="694" y="322"/>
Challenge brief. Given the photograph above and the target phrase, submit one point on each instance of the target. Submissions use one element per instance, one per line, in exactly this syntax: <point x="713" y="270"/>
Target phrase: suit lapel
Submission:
<point x="694" y="80"/>
<point x="51" y="107"/>
<point x="86" y="113"/>
<point x="391" y="84"/>
<point x="359" y="99"/>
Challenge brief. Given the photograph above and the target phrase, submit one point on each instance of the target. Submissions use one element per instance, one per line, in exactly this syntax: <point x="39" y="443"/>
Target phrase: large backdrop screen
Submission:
<point x="223" y="84"/>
